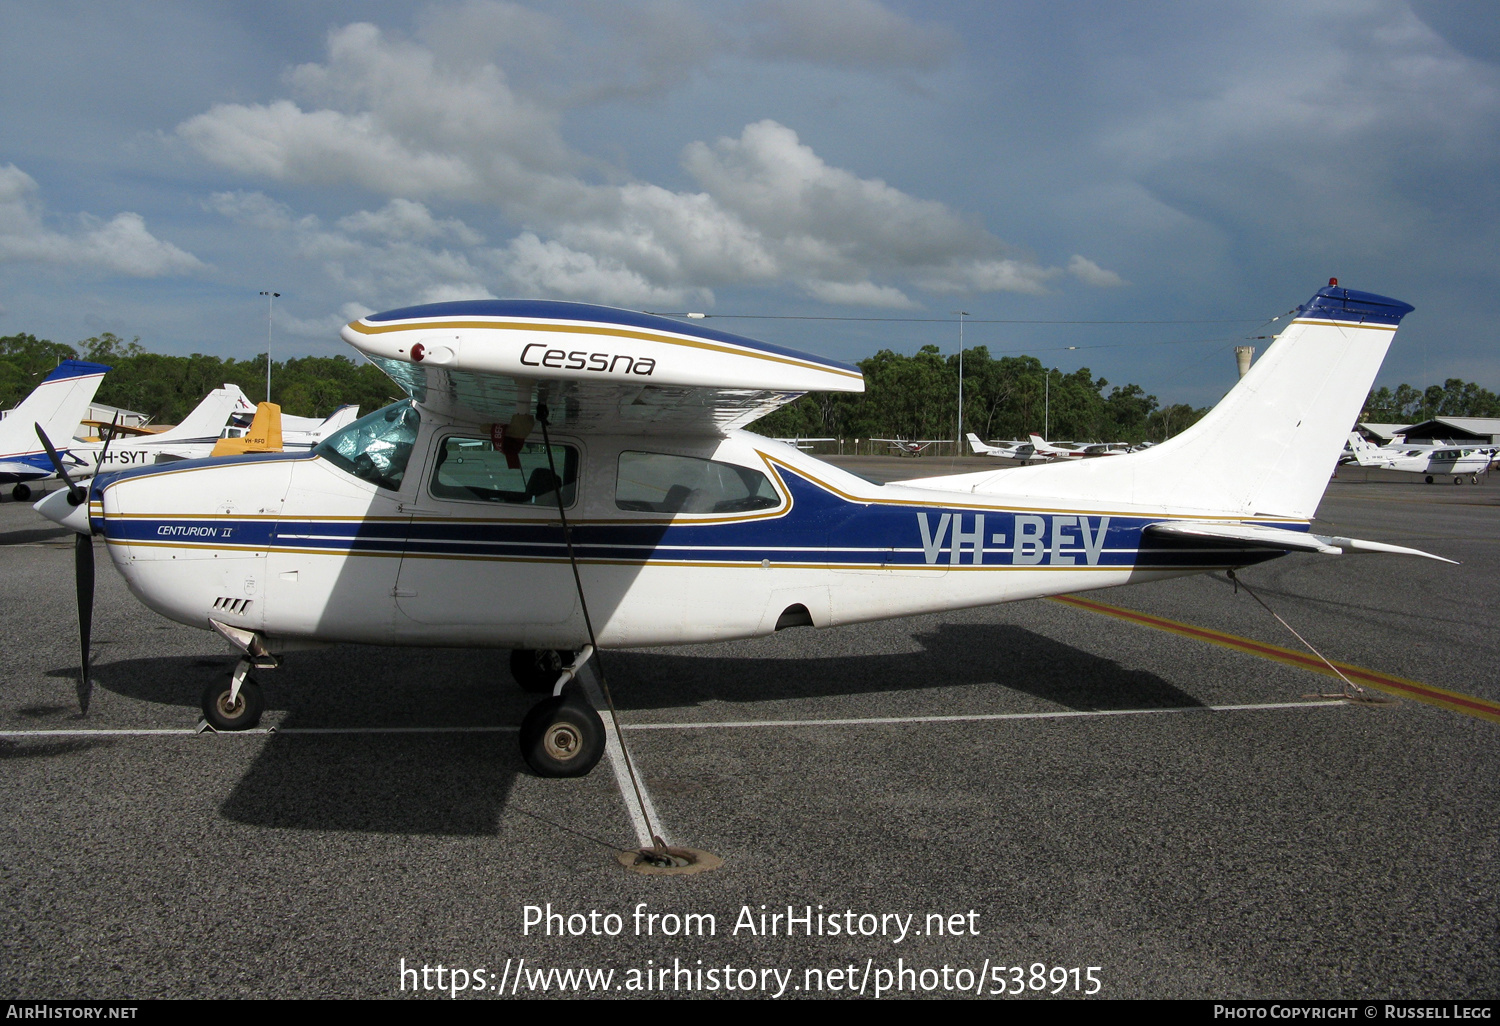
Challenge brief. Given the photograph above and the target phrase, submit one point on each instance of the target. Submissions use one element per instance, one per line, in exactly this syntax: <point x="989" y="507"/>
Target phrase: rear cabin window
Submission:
<point x="473" y="469"/>
<point x="654" y="482"/>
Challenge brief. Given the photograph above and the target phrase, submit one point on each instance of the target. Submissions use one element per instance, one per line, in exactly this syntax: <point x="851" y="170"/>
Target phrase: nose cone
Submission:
<point x="58" y="508"/>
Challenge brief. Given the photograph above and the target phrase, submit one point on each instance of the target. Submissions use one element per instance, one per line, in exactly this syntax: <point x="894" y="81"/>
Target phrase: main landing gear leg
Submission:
<point x="562" y="736"/>
<point x="536" y="669"/>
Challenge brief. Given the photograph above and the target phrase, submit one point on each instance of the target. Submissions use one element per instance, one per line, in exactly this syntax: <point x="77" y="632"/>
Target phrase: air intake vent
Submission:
<point x="232" y="605"/>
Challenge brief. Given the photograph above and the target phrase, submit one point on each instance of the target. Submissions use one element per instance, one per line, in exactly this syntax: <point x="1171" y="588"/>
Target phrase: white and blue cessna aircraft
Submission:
<point x="59" y="403"/>
<point x="565" y="476"/>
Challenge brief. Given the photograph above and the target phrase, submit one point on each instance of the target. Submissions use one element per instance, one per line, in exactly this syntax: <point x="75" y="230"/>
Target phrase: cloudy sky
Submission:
<point x="835" y="175"/>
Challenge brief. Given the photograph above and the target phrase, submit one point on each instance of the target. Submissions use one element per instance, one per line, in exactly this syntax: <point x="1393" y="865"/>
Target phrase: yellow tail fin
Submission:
<point x="264" y="434"/>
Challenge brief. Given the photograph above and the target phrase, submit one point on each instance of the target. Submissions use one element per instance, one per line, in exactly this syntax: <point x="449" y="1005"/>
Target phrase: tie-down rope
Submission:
<point x="658" y="853"/>
<point x="1351" y="692"/>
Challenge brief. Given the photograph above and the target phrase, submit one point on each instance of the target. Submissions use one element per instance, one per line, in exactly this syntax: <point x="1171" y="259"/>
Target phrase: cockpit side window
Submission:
<point x="376" y="447"/>
<point x="471" y="468"/>
<point x="660" y="483"/>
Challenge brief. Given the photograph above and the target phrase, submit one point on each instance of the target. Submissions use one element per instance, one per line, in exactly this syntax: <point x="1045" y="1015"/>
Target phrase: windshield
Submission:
<point x="375" y="448"/>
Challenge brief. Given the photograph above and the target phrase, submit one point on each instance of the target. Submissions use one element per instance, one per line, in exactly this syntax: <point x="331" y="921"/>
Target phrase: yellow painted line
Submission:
<point x="1453" y="701"/>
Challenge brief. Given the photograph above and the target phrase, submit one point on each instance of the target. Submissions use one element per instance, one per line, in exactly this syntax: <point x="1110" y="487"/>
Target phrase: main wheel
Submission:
<point x="1458" y="480"/>
<point x="20" y="493"/>
<point x="1429" y="479"/>
<point x="562" y="737"/>
<point x="537" y="669"/>
<point x="243" y="714"/>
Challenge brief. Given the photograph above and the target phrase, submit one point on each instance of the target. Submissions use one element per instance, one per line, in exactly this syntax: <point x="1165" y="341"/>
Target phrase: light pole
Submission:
<point x="1047" y="403"/>
<point x="959" y="440"/>
<point x="270" y="303"/>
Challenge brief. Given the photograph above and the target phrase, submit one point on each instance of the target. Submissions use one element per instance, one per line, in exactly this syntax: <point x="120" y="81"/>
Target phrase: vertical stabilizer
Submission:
<point x="1366" y="454"/>
<point x="263" y="435"/>
<point x="208" y="418"/>
<point x="336" y="421"/>
<point x="1269" y="446"/>
<point x="58" y="404"/>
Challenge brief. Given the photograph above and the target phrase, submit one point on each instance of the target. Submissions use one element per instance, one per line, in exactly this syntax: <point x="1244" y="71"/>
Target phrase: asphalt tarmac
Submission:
<point x="1177" y="813"/>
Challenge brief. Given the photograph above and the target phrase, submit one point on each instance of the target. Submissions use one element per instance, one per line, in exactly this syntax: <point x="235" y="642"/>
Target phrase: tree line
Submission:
<point x="1407" y="405"/>
<point x="166" y="388"/>
<point x="1007" y="398"/>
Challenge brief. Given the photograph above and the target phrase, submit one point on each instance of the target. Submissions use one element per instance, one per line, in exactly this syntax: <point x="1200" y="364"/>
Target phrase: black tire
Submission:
<point x="20" y="492"/>
<point x="1429" y="479"/>
<point x="1458" y="480"/>
<point x="243" y="715"/>
<point x="562" y="737"/>
<point x="537" y="669"/>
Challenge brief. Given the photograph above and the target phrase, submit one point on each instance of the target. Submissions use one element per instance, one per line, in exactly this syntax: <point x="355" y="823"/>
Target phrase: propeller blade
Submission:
<point x="83" y="570"/>
<point x="83" y="575"/>
<point x="76" y="495"/>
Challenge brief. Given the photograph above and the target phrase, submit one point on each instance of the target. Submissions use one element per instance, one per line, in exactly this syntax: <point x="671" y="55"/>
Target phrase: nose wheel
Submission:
<point x="226" y="710"/>
<point x="562" y="736"/>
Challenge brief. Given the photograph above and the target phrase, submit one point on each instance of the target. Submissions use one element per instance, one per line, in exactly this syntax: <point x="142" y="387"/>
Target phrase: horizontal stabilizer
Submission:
<point x="1249" y="534"/>
<point x="1360" y="545"/>
<point x="1262" y="536"/>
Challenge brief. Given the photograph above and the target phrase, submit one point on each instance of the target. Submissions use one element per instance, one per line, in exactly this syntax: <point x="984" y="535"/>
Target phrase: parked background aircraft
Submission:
<point x="1021" y="451"/>
<point x="1076" y="450"/>
<point x="804" y="443"/>
<point x="1431" y="463"/>
<point x="193" y="438"/>
<point x="58" y="404"/>
<point x="642" y="515"/>
<point x="907" y="447"/>
<point x="296" y="432"/>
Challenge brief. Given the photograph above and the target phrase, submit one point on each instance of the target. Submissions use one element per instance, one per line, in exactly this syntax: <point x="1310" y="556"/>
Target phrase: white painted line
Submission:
<point x="1068" y="714"/>
<point x="389" y="730"/>
<point x="143" y="732"/>
<point x="616" y="753"/>
<point x="253" y="732"/>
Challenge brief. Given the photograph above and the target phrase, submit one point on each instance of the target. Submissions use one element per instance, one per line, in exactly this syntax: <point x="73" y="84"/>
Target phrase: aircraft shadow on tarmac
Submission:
<point x="953" y="654"/>
<point x="38" y="534"/>
<point x="37" y="749"/>
<point x="457" y="783"/>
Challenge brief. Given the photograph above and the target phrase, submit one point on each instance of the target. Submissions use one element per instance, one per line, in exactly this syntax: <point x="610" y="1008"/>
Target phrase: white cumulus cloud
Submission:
<point x="1090" y="273"/>
<point x="860" y="293"/>
<point x="389" y="117"/>
<point x="553" y="271"/>
<point x="122" y="244"/>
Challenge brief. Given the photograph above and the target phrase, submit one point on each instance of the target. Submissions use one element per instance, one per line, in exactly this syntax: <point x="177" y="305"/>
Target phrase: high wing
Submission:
<point x="598" y="369"/>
